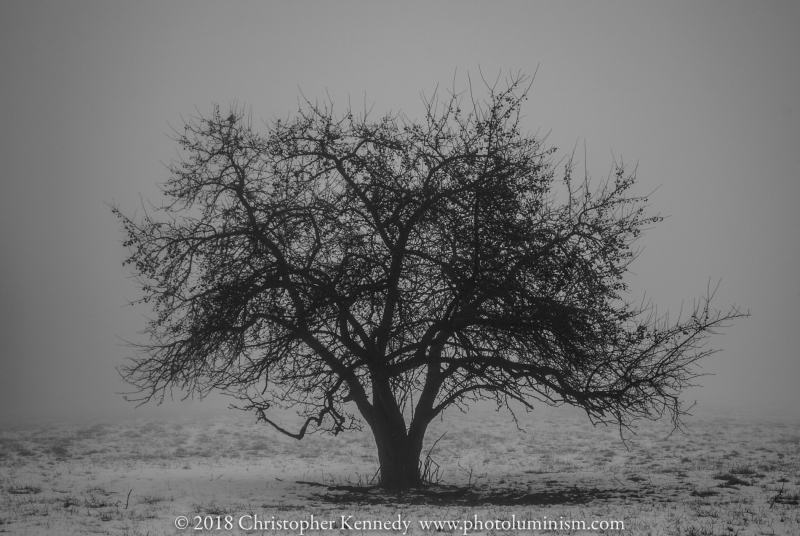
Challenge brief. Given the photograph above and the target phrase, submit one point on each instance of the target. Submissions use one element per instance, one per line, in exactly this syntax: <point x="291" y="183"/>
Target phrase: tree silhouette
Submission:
<point x="404" y="266"/>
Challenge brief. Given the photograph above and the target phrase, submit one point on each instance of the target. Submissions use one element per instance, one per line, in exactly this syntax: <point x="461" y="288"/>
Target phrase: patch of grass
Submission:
<point x="743" y="470"/>
<point x="108" y="515"/>
<point x="36" y="510"/>
<point x="260" y="445"/>
<point x="694" y="530"/>
<point x="96" y="502"/>
<point x="23" y="489"/>
<point x="704" y="493"/>
<point x="98" y="490"/>
<point x="60" y="451"/>
<point x="70" y="501"/>
<point x="211" y="509"/>
<point x="730" y="480"/>
<point x="152" y="499"/>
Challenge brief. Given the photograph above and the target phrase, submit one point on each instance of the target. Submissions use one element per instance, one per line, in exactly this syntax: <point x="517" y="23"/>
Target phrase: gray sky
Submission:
<point x="704" y="96"/>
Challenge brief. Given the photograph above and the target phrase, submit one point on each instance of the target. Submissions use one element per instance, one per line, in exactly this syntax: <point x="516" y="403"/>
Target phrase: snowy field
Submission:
<point x="731" y="475"/>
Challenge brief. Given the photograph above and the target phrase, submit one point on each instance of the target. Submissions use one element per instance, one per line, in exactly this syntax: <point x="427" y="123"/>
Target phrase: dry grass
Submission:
<point x="731" y="476"/>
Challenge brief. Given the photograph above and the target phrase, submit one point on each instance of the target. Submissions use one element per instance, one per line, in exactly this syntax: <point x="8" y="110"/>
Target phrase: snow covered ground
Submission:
<point x="732" y="475"/>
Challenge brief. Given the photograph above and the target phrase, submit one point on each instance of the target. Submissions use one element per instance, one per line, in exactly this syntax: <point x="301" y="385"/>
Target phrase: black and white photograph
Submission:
<point x="403" y="268"/>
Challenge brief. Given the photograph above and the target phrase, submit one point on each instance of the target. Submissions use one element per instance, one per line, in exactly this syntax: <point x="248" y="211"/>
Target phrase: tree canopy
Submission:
<point x="404" y="266"/>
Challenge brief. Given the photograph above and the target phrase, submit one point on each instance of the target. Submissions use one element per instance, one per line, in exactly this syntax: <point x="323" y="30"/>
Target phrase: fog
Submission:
<point x="703" y="97"/>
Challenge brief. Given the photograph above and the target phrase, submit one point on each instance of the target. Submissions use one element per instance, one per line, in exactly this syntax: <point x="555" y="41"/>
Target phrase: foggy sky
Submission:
<point x="704" y="97"/>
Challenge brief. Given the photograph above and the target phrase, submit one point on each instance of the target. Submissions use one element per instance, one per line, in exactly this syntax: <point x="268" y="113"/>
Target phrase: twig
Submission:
<point x="434" y="444"/>
<point x="469" y="474"/>
<point x="775" y="499"/>
<point x="375" y="475"/>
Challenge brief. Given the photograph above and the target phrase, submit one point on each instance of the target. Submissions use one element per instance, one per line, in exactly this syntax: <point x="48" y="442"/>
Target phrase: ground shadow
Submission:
<point x="443" y="495"/>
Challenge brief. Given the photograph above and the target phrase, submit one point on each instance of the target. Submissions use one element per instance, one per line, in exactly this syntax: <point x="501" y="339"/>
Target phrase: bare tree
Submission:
<point x="404" y="266"/>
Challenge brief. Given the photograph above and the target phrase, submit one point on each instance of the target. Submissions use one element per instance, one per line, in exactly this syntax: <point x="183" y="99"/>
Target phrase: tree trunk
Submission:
<point x="398" y="457"/>
<point x="398" y="451"/>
